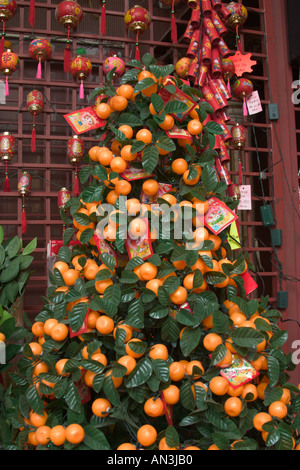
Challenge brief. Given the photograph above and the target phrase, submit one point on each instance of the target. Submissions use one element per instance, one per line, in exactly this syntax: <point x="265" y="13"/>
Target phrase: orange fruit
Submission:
<point x="154" y="284"/>
<point x="286" y="396"/>
<point x="163" y="445"/>
<point x="179" y="166"/>
<point x="127" y="329"/>
<point x="127" y="130"/>
<point x="218" y="385"/>
<point x="129" y="362"/>
<point x="190" y="369"/>
<point x="191" y="182"/>
<point x="32" y="439"/>
<point x="235" y="392"/>
<point x="137" y="228"/>
<point x="211" y="341"/>
<point x="126" y="91"/>
<point x="179" y="296"/>
<point x="59" y="332"/>
<point x="105" y="156"/>
<point x="130" y="352"/>
<point x="58" y="435"/>
<point x="278" y="409"/>
<point x="133" y="206"/>
<point x="146" y="435"/>
<point x="148" y="271"/>
<point x="249" y="389"/>
<point x="118" y="103"/>
<point x="40" y="368"/>
<point x="59" y="366"/>
<point x="213" y="447"/>
<point x="126" y="446"/>
<point x="144" y="135"/>
<point x="195" y="127"/>
<point x="116" y="147"/>
<point x="38" y="420"/>
<point x="150" y="187"/>
<point x="42" y="435"/>
<point x="101" y="407"/>
<point x="117" y="381"/>
<point x="99" y="357"/>
<point x="171" y="395"/>
<point x="168" y="123"/>
<point x="89" y="377"/>
<point x="159" y="351"/>
<point x="238" y="318"/>
<point x="260" y="419"/>
<point x="103" y="110"/>
<point x="36" y="348"/>
<point x="92" y="318"/>
<point x="169" y="198"/>
<point x="70" y="277"/>
<point x="233" y="406"/>
<point x="61" y="266"/>
<point x="123" y="188"/>
<point x="75" y="433"/>
<point x="154" y="407"/>
<point x="177" y="371"/>
<point x="127" y="155"/>
<point x="226" y="361"/>
<point x="105" y="325"/>
<point x="118" y="165"/>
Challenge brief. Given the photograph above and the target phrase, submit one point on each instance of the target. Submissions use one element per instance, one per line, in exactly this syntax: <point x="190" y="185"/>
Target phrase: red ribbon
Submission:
<point x="33" y="136"/>
<point x="7" y="188"/>
<point x="24" y="219"/>
<point x="173" y="25"/>
<point x="168" y="410"/>
<point x="32" y="13"/>
<point x="103" y="18"/>
<point x="76" y="183"/>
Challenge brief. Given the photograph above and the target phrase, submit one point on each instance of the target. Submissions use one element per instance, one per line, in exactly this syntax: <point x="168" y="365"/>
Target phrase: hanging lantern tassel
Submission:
<point x="103" y="18"/>
<point x="7" y="188"/>
<point x="39" y="70"/>
<point x="33" y="136"/>
<point x="137" y="48"/>
<point x="24" y="219"/>
<point x="173" y="25"/>
<point x="32" y="13"/>
<point x="2" y="41"/>
<point x="67" y="54"/>
<point x="76" y="182"/>
<point x="81" y="91"/>
<point x="245" y="109"/>
<point x="6" y="86"/>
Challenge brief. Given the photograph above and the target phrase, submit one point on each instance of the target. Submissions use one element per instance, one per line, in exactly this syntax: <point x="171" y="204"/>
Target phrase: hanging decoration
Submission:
<point x="69" y="14"/>
<point x="137" y="21"/>
<point x="35" y="105"/>
<point x="7" y="152"/>
<point x="103" y="18"/>
<point x="9" y="64"/>
<point x="243" y="89"/>
<point x="183" y="67"/>
<point x="114" y="62"/>
<point x="40" y="49"/>
<point x="8" y="10"/>
<point x="172" y="4"/>
<point x="24" y="188"/>
<point x="239" y="142"/>
<point x="64" y="195"/>
<point x="81" y="68"/>
<point x="75" y="154"/>
<point x="228" y="71"/>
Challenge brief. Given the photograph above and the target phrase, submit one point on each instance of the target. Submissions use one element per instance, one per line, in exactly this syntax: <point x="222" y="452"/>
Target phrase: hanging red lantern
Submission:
<point x="137" y="21"/>
<point x="228" y="71"/>
<point x="7" y="152"/>
<point x="9" y="64"/>
<point x="81" y="68"/>
<point x="24" y="188"/>
<point x="234" y="191"/>
<point x="35" y="105"/>
<point x="243" y="89"/>
<point x="75" y="154"/>
<point x="114" y="62"/>
<point x="63" y="197"/>
<point x="238" y="17"/>
<point x="69" y="14"/>
<point x="8" y="10"/>
<point x="40" y="49"/>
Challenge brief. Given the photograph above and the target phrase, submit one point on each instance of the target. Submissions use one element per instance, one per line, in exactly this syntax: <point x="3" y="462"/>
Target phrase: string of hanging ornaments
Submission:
<point x="210" y="64"/>
<point x="35" y="106"/>
<point x="8" y="10"/>
<point x="81" y="68"/>
<point x="7" y="152"/>
<point x="137" y="21"/>
<point x="40" y="49"/>
<point x="75" y="153"/>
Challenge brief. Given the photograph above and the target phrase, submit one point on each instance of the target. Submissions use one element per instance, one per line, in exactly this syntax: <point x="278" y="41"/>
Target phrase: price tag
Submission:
<point x="245" y="201"/>
<point x="254" y="103"/>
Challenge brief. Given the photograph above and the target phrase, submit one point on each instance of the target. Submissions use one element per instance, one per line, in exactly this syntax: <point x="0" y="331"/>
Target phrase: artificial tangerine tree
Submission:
<point x="140" y="330"/>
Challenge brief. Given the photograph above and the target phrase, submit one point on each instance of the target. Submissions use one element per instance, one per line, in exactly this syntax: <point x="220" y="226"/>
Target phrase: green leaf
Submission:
<point x="165" y="143"/>
<point x="128" y="277"/>
<point x="161" y="369"/>
<point x="209" y="178"/>
<point x="186" y="396"/>
<point x="93" y="366"/>
<point x="218" y="354"/>
<point x="189" y="340"/>
<point x="64" y="254"/>
<point x="72" y="397"/>
<point x="140" y="374"/>
<point x="172" y="437"/>
<point x="273" y="370"/>
<point x="158" y="103"/>
<point x="144" y="84"/>
<point x="135" y="317"/>
<point x="86" y="235"/>
<point x="130" y="119"/>
<point x="170" y="330"/>
<point x="11" y="272"/>
<point x="77" y="316"/>
<point x="95" y="439"/>
<point x="175" y="107"/>
<point x="68" y="235"/>
<point x="34" y="400"/>
<point x="13" y="247"/>
<point x="30" y="247"/>
<point x="214" y="128"/>
<point x="111" y="391"/>
<point x="247" y="337"/>
<point x="215" y="277"/>
<point x="150" y="159"/>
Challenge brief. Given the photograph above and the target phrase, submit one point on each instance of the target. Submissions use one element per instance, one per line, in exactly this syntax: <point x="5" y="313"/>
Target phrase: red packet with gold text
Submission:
<point x="240" y="372"/>
<point x="134" y="174"/>
<point x="179" y="95"/>
<point x="177" y="133"/>
<point x="142" y="247"/>
<point x="218" y="216"/>
<point x="84" y="120"/>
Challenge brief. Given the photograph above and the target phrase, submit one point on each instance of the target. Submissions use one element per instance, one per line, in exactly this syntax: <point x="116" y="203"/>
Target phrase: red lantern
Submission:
<point x="137" y="21"/>
<point x="7" y="152"/>
<point x="114" y="62"/>
<point x="237" y="19"/>
<point x="182" y="67"/>
<point x="8" y="10"/>
<point x="234" y="191"/>
<point x="243" y="89"/>
<point x="63" y="197"/>
<point x="75" y="153"/>
<point x="40" y="49"/>
<point x="228" y="71"/>
<point x="68" y="13"/>
<point x="9" y="63"/>
<point x="81" y="68"/>
<point x="35" y="105"/>
<point x="24" y="188"/>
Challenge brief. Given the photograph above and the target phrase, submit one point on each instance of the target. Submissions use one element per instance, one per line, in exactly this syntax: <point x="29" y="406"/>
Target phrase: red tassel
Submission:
<point x="7" y="188"/>
<point x="245" y="109"/>
<point x="32" y="13"/>
<point x="103" y="18"/>
<point x="6" y="87"/>
<point x="67" y="55"/>
<point x="33" y="136"/>
<point x="81" y="91"/>
<point x="24" y="220"/>
<point x="173" y="25"/>
<point x="137" y="49"/>
<point x="76" y="183"/>
<point x="39" y="70"/>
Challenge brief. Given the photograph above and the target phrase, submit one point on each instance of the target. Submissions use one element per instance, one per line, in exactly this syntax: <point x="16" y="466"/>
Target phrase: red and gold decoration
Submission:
<point x="64" y="195"/>
<point x="228" y="71"/>
<point x="114" y="62"/>
<point x="239" y="135"/>
<point x="243" y="89"/>
<point x="35" y="105"/>
<point x="137" y="21"/>
<point x="75" y="153"/>
<point x="40" y="49"/>
<point x="183" y="67"/>
<point x="9" y="64"/>
<point x="7" y="152"/>
<point x="81" y="68"/>
<point x="8" y="10"/>
<point x="69" y="14"/>
<point x="24" y="188"/>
